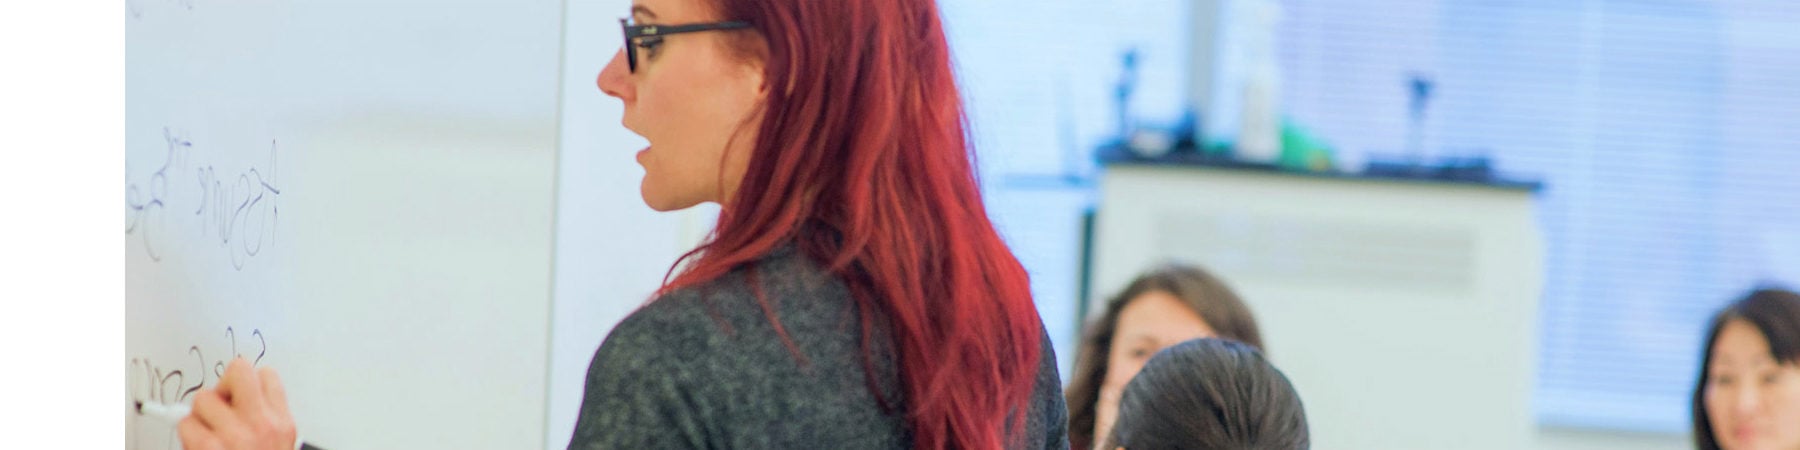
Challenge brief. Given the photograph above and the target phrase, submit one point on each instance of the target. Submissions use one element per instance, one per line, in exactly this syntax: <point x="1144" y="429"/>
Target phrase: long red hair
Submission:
<point x="863" y="161"/>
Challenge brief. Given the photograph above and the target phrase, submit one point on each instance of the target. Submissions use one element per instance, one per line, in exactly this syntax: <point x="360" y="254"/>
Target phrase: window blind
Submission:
<point x="1668" y="135"/>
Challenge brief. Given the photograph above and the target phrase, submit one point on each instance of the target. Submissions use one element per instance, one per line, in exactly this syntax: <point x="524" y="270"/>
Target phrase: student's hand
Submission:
<point x="247" y="411"/>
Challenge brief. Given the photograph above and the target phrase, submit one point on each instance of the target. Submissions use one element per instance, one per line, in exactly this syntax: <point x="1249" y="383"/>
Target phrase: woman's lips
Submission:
<point x="1743" y="433"/>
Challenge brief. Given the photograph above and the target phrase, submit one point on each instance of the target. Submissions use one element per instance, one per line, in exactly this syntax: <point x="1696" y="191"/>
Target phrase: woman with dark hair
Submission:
<point x="1748" y="395"/>
<point x="1162" y="307"/>
<point x="1209" y="394"/>
<point x="853" y="293"/>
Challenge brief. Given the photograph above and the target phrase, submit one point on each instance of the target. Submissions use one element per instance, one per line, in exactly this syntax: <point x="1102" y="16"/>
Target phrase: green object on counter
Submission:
<point x="1302" y="151"/>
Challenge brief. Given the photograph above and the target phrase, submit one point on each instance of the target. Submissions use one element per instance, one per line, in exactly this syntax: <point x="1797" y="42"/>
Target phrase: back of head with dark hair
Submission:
<point x="1209" y="296"/>
<point x="1210" y="394"/>
<point x="1776" y="314"/>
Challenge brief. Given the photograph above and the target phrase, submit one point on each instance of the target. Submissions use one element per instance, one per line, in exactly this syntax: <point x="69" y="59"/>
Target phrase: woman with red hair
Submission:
<point x="854" y="293"/>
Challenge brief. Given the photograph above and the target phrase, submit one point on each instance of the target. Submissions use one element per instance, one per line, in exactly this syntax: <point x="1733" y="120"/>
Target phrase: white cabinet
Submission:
<point x="1404" y="311"/>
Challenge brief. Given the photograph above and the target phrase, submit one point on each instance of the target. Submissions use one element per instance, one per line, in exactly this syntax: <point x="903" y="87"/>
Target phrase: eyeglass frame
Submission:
<point x="649" y="31"/>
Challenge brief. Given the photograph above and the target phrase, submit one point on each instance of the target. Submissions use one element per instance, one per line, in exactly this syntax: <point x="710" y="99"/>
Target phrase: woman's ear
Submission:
<point x="756" y="70"/>
<point x="754" y="62"/>
<point x="762" y="85"/>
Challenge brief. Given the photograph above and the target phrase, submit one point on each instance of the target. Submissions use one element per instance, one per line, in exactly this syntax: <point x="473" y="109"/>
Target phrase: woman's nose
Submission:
<point x="1748" y="401"/>
<point x="615" y="79"/>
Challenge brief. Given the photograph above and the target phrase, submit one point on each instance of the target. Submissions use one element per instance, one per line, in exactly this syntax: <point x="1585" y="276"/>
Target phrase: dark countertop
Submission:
<point x="1452" y="176"/>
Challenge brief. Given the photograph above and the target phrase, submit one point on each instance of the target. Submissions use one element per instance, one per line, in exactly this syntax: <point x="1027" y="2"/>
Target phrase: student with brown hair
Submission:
<point x="1162" y="307"/>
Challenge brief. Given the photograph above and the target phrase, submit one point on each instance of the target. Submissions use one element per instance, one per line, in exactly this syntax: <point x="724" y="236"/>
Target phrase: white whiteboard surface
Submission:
<point x="363" y="193"/>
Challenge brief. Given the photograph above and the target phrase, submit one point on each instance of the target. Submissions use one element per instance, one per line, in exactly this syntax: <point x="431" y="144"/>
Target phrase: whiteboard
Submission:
<point x="361" y="194"/>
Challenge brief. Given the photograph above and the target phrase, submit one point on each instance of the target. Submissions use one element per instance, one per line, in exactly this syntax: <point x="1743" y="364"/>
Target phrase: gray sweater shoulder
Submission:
<point x="718" y="366"/>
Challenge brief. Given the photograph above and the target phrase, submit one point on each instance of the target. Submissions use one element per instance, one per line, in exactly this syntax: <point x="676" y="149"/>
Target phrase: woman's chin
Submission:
<point x="657" y="203"/>
<point x="663" y="203"/>
<point x="663" y="207"/>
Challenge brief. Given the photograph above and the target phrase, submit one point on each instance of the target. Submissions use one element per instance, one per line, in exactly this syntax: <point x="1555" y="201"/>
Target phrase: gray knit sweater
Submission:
<point x="703" y="368"/>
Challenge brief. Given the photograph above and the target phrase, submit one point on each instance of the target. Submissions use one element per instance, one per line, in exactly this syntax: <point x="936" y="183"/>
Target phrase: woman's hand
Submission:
<point x="247" y="411"/>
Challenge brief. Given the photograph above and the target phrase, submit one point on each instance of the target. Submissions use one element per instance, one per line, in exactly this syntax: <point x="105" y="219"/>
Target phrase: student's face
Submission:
<point x="1149" y="322"/>
<point x="689" y="96"/>
<point x="1752" y="401"/>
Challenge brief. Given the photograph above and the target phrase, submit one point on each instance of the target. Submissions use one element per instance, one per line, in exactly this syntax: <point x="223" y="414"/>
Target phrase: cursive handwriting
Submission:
<point x="243" y="209"/>
<point x="237" y="211"/>
<point x="150" y="382"/>
<point x="145" y="204"/>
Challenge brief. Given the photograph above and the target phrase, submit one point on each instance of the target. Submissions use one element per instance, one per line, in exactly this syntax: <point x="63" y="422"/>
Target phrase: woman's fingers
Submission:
<point x="195" y="436"/>
<point x="242" y="388"/>
<point x="248" y="410"/>
<point x="279" y="420"/>
<point x="275" y="394"/>
<point x="213" y="413"/>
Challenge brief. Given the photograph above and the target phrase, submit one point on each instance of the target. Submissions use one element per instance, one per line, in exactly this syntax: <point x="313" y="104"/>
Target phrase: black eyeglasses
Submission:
<point x="649" y="36"/>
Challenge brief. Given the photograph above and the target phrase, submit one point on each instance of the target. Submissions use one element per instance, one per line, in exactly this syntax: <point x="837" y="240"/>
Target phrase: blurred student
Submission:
<point x="1165" y="306"/>
<point x="1207" y="394"/>
<point x="1748" y="397"/>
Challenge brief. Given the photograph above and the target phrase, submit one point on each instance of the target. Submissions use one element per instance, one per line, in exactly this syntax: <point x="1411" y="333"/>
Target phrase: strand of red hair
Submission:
<point x="862" y="159"/>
